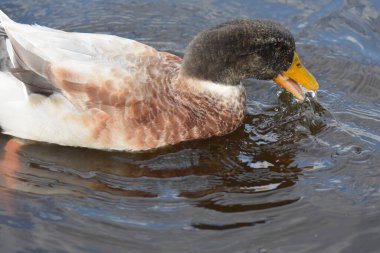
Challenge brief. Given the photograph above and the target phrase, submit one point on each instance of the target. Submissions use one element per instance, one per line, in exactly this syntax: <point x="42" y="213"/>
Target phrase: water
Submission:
<point x="293" y="178"/>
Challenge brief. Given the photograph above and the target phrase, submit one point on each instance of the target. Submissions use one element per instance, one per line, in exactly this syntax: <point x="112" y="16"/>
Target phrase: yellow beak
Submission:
<point x="296" y="75"/>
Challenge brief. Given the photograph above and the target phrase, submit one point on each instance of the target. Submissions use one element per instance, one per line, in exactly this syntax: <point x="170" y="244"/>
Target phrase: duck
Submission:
<point x="105" y="92"/>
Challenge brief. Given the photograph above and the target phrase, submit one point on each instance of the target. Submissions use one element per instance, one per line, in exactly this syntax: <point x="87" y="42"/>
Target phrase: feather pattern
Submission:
<point x="106" y="92"/>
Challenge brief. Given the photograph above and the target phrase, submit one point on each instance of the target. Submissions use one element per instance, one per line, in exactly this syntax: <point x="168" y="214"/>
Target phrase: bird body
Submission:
<point x="114" y="93"/>
<point x="106" y="92"/>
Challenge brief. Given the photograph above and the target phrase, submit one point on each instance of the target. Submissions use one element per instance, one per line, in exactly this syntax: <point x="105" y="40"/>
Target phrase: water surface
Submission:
<point x="293" y="178"/>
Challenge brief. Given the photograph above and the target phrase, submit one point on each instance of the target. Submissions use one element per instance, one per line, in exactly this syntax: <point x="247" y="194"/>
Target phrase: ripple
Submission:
<point x="237" y="208"/>
<point x="227" y="226"/>
<point x="280" y="182"/>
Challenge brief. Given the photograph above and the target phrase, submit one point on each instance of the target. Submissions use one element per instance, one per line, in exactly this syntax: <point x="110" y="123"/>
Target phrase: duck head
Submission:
<point x="240" y="49"/>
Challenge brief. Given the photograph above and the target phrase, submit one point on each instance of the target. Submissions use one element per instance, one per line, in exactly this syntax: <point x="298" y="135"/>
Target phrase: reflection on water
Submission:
<point x="293" y="178"/>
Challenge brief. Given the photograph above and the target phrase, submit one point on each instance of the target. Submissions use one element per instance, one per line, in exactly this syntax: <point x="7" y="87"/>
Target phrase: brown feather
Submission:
<point x="163" y="109"/>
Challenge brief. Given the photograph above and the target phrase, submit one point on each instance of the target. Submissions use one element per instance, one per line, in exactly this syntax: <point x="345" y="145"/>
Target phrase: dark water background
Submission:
<point x="292" y="178"/>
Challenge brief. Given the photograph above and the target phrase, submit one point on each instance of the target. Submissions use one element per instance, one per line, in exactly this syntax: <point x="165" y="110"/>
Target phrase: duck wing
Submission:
<point x="91" y="70"/>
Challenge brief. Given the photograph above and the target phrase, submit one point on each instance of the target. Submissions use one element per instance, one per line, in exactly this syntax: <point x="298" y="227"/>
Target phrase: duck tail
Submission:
<point x="4" y="17"/>
<point x="12" y="102"/>
<point x="4" y="21"/>
<point x="11" y="89"/>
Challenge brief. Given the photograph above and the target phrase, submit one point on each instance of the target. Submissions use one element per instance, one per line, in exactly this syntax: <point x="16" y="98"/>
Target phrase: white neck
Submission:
<point x="216" y="89"/>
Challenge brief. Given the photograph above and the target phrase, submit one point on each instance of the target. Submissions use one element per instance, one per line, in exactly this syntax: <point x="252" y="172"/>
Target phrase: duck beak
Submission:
<point x="295" y="76"/>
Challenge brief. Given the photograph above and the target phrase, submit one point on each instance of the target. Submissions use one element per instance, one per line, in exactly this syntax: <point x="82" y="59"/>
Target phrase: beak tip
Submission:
<point x="300" y="97"/>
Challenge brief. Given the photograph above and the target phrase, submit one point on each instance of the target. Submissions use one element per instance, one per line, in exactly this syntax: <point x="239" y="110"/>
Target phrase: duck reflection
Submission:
<point x="239" y="163"/>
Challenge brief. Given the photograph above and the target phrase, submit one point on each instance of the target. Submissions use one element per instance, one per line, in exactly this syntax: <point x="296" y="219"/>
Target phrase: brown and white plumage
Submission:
<point x="110" y="93"/>
<point x="105" y="92"/>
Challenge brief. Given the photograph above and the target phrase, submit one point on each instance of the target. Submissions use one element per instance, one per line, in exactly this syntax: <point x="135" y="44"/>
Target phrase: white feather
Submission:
<point x="4" y="17"/>
<point x="37" y="117"/>
<point x="39" y="49"/>
<point x="230" y="91"/>
<point x="11" y="89"/>
<point x="11" y="53"/>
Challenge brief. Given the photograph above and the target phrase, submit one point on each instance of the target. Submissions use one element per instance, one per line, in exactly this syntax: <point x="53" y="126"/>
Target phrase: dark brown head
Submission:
<point x="240" y="49"/>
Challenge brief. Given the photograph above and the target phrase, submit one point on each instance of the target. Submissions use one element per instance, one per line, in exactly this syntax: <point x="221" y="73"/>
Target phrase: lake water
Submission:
<point x="293" y="178"/>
